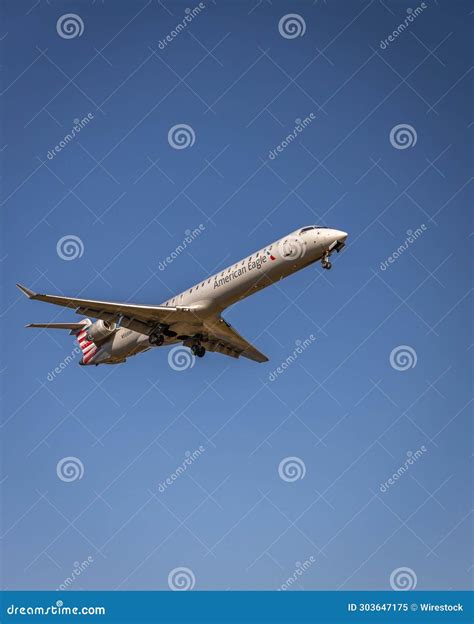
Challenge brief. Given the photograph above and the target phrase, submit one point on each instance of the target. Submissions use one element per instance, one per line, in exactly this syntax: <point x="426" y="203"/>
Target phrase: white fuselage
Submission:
<point x="211" y="296"/>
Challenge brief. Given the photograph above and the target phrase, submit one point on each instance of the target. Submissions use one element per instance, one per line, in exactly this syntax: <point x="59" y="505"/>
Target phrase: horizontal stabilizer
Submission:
<point x="71" y="326"/>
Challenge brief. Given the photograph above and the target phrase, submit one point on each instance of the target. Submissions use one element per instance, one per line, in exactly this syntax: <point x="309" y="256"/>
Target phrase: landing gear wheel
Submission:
<point x="325" y="261"/>
<point x="198" y="350"/>
<point x="156" y="339"/>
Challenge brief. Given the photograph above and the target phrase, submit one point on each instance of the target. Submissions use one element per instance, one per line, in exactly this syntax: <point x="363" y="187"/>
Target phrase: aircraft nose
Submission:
<point x="340" y="235"/>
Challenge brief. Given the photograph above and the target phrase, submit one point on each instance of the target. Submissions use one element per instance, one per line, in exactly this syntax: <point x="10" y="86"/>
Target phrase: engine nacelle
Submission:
<point x="100" y="331"/>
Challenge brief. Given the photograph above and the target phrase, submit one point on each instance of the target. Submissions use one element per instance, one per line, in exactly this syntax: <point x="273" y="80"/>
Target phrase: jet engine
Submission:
<point x="100" y="331"/>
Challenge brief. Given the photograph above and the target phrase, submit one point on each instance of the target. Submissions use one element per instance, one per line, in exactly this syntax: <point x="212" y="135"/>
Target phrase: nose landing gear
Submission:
<point x="325" y="261"/>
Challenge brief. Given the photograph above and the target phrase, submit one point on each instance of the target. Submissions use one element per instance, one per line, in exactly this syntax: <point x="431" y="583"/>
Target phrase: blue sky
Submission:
<point x="350" y="418"/>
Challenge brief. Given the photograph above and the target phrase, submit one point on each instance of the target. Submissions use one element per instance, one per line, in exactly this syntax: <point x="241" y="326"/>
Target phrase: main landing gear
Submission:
<point x="325" y="261"/>
<point x="156" y="339"/>
<point x="198" y="350"/>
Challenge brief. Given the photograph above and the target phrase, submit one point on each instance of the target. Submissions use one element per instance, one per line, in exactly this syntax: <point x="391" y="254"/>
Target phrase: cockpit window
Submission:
<point x="313" y="227"/>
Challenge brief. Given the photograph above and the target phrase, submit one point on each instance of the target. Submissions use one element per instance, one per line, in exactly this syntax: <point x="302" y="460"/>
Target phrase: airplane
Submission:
<point x="192" y="317"/>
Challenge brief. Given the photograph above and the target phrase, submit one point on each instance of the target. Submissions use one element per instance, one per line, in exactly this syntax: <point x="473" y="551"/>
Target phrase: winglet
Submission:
<point x="26" y="291"/>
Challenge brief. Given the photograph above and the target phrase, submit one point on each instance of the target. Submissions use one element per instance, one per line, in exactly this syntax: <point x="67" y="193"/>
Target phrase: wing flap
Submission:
<point x="225" y="339"/>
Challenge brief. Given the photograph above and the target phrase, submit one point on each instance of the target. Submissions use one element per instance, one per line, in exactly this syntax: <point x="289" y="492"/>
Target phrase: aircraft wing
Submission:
<point x="224" y="339"/>
<point x="138" y="317"/>
<point x="221" y="337"/>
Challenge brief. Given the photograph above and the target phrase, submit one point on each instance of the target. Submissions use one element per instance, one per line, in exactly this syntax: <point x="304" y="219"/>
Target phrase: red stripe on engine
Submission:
<point x="89" y="356"/>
